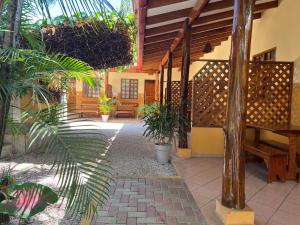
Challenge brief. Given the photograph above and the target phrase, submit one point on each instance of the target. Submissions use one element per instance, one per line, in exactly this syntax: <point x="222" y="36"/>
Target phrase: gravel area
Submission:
<point x="34" y="168"/>
<point x="132" y="156"/>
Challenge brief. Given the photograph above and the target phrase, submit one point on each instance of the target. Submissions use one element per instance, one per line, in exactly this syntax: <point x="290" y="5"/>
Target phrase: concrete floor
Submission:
<point x="274" y="204"/>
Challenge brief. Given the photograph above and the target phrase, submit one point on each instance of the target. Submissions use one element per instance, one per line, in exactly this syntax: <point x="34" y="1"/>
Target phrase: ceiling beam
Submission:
<point x="207" y="19"/>
<point x="160" y="3"/>
<point x="141" y="18"/>
<point x="157" y="39"/>
<point x="194" y="14"/>
<point x="195" y="42"/>
<point x="183" y="13"/>
<point x="195" y="49"/>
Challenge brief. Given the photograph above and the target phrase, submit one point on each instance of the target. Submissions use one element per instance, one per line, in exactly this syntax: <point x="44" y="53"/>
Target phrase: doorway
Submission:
<point x="149" y="95"/>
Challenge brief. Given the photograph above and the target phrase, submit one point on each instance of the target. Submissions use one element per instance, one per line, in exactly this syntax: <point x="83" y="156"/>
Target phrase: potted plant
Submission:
<point x="105" y="107"/>
<point x="161" y="126"/>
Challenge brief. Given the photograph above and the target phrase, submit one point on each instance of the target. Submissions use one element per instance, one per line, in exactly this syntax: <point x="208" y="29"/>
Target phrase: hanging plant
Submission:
<point x="105" y="47"/>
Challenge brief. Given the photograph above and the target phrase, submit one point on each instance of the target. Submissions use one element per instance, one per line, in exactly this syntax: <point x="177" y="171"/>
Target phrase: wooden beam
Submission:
<point x="169" y="82"/>
<point x="233" y="191"/>
<point x="195" y="42"/>
<point x="196" y="29"/>
<point x="157" y="86"/>
<point x="141" y="18"/>
<point x="160" y="38"/>
<point x="194" y="14"/>
<point x="106" y="82"/>
<point x="187" y="12"/>
<point x="177" y="53"/>
<point x="160" y="3"/>
<point x="208" y="19"/>
<point x="185" y="71"/>
<point x="161" y="94"/>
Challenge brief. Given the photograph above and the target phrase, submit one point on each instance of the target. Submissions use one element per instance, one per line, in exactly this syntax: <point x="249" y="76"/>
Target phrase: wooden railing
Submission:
<point x="269" y="94"/>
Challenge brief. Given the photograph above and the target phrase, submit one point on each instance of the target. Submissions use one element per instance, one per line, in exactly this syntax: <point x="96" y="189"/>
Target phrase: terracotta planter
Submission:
<point x="105" y="118"/>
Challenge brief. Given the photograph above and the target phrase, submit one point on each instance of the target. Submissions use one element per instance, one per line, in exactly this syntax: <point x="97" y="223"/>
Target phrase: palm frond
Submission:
<point x="75" y="7"/>
<point x="81" y="159"/>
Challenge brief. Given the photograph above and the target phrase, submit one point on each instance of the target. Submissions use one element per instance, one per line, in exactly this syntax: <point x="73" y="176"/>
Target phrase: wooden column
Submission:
<point x="185" y="70"/>
<point x="161" y="92"/>
<point x="233" y="192"/>
<point x="106" y="82"/>
<point x="169" y="81"/>
<point x="157" y="86"/>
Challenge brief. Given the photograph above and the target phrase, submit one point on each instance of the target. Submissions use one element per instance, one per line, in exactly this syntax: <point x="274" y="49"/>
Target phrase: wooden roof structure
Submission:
<point x="160" y="27"/>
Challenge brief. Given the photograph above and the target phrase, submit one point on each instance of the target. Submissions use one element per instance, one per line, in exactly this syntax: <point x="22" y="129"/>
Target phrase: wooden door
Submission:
<point x="149" y="91"/>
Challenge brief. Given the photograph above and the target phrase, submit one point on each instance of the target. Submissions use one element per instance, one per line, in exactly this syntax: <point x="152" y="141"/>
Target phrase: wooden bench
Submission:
<point x="89" y="108"/>
<point x="275" y="159"/>
<point x="126" y="109"/>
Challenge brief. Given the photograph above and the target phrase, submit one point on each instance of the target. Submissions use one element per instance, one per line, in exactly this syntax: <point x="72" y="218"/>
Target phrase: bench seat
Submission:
<point x="275" y="159"/>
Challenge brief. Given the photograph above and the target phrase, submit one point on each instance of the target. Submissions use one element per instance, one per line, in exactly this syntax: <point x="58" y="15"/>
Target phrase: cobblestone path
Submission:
<point x="150" y="201"/>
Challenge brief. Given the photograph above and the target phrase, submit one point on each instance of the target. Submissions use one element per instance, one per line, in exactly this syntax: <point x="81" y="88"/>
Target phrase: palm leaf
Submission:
<point x="81" y="160"/>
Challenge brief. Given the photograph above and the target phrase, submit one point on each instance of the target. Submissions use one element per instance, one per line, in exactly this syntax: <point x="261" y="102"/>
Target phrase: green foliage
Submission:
<point x="106" y="104"/>
<point x="81" y="159"/>
<point x="147" y="109"/>
<point x="161" y="123"/>
<point x="32" y="68"/>
<point x="27" y="199"/>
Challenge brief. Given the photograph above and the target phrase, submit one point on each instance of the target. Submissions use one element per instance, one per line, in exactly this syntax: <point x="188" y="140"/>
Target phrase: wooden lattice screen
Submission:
<point x="175" y="89"/>
<point x="269" y="94"/>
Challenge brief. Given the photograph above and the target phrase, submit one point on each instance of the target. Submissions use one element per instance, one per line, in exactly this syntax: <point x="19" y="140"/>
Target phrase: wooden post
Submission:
<point x="184" y="85"/>
<point x="157" y="86"/>
<point x="169" y="81"/>
<point x="161" y="94"/>
<point x="233" y="190"/>
<point x="106" y="82"/>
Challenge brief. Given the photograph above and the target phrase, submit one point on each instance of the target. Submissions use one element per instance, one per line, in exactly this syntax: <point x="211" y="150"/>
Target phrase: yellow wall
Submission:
<point x="115" y="80"/>
<point x="278" y="28"/>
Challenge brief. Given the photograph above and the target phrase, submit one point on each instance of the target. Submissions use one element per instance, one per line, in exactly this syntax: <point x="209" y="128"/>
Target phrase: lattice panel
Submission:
<point x="175" y="88"/>
<point x="269" y="94"/>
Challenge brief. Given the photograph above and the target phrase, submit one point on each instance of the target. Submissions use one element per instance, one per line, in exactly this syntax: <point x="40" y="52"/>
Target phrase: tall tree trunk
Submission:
<point x="233" y="193"/>
<point x="169" y="81"/>
<point x="161" y="93"/>
<point x="185" y="70"/>
<point x="6" y="71"/>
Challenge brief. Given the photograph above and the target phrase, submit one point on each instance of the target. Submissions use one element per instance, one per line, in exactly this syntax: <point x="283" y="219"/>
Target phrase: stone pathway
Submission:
<point x="137" y="199"/>
<point x="150" y="201"/>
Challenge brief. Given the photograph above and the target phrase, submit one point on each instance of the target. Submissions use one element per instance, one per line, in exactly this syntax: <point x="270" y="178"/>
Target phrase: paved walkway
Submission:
<point x="137" y="198"/>
<point x="150" y="201"/>
<point x="274" y="204"/>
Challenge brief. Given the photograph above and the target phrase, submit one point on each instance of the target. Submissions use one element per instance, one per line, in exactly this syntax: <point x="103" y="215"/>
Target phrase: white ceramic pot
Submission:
<point x="163" y="153"/>
<point x="105" y="118"/>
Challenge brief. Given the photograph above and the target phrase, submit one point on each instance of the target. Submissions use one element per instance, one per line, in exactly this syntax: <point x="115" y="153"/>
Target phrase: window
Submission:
<point x="129" y="89"/>
<point x="269" y="55"/>
<point x="91" y="92"/>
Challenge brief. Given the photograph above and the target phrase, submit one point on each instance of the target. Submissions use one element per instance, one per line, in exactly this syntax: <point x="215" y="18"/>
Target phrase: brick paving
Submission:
<point x="150" y="201"/>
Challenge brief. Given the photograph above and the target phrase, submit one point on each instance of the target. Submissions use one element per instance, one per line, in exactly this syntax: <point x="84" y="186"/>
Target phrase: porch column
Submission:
<point x="157" y="86"/>
<point x="106" y="82"/>
<point x="169" y="81"/>
<point x="233" y="192"/>
<point x="161" y="94"/>
<point x="185" y="70"/>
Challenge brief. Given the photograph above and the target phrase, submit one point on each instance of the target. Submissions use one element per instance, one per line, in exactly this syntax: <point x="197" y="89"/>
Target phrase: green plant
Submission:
<point x="161" y="123"/>
<point x="146" y="109"/>
<point x="81" y="159"/>
<point x="27" y="199"/>
<point x="106" y="105"/>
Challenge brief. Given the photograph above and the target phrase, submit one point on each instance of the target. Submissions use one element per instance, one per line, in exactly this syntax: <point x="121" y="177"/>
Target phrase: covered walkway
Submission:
<point x="273" y="204"/>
